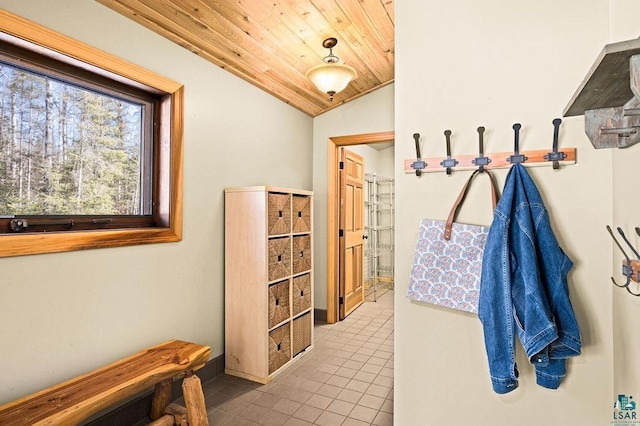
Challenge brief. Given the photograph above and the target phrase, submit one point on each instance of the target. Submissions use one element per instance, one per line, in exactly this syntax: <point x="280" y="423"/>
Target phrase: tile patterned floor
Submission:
<point x="347" y="379"/>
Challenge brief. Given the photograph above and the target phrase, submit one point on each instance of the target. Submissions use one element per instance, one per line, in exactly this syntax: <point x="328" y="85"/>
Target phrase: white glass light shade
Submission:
<point x="331" y="78"/>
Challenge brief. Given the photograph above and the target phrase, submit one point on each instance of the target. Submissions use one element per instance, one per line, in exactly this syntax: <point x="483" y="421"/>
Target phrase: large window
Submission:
<point x="88" y="142"/>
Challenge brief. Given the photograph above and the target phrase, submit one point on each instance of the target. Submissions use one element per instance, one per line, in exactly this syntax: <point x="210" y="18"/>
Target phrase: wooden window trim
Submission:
<point x="169" y="210"/>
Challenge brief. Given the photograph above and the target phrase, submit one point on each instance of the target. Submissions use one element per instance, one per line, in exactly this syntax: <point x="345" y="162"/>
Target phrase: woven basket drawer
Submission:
<point x="301" y="333"/>
<point x="279" y="258"/>
<point x="279" y="347"/>
<point x="301" y="253"/>
<point x="278" y="303"/>
<point x="301" y="293"/>
<point x="279" y="213"/>
<point x="301" y="213"/>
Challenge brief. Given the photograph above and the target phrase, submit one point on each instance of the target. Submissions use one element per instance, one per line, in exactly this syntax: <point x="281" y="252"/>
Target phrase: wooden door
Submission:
<point x="351" y="257"/>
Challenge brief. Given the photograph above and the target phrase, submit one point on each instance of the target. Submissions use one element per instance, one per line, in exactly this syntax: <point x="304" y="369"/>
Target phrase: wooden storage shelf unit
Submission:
<point x="268" y="280"/>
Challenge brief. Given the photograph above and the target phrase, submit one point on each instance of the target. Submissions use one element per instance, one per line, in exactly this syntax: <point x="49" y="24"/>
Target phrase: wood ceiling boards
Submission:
<point x="272" y="43"/>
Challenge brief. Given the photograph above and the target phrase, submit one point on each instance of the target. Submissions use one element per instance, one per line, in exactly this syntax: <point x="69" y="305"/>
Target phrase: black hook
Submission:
<point x="638" y="231"/>
<point x="624" y="237"/>
<point x="626" y="269"/>
<point x="481" y="160"/>
<point x="448" y="162"/>
<point x="516" y="157"/>
<point x="418" y="165"/>
<point x="554" y="155"/>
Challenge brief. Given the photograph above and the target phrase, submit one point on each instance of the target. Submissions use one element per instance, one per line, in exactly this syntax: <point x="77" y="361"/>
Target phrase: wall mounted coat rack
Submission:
<point x="630" y="267"/>
<point x="556" y="157"/>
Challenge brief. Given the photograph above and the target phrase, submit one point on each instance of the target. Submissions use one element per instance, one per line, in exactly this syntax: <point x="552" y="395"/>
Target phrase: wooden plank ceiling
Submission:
<point x="272" y="43"/>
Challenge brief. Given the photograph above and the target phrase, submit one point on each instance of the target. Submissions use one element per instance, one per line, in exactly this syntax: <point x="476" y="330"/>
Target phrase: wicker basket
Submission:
<point x="301" y="333"/>
<point x="279" y="347"/>
<point x="301" y="213"/>
<point x="279" y="258"/>
<point x="278" y="303"/>
<point x="279" y="213"/>
<point x="301" y="253"/>
<point x="301" y="293"/>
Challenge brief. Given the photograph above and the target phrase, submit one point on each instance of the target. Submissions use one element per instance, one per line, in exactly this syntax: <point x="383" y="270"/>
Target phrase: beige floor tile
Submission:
<point x="319" y="401"/>
<point x="307" y="413"/>
<point x="273" y="418"/>
<point x="309" y="386"/>
<point x="349" y="395"/>
<point x="371" y="401"/>
<point x="358" y="385"/>
<point x="330" y="419"/>
<point x="383" y="419"/>
<point x="377" y="390"/>
<point x="329" y="390"/>
<point x="297" y="422"/>
<point x="287" y="406"/>
<point x="363" y="376"/>
<point x="365" y="414"/>
<point x="353" y="422"/>
<point x="387" y="407"/>
<point x="338" y="381"/>
<point x="340" y="407"/>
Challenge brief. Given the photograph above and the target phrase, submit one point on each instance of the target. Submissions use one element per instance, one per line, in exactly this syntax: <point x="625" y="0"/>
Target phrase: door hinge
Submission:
<point x="341" y="233"/>
<point x="341" y="300"/>
<point x="341" y="165"/>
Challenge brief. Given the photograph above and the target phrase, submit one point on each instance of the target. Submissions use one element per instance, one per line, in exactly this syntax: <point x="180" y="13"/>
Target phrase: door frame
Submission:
<point x="333" y="205"/>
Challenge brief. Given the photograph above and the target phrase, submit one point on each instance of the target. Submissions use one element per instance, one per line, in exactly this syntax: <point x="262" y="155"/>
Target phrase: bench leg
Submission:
<point x="166" y="420"/>
<point x="194" y="401"/>
<point x="161" y="398"/>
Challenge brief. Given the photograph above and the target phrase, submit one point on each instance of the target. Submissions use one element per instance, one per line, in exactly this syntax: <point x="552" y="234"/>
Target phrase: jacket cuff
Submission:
<point x="549" y="375"/>
<point x="504" y="385"/>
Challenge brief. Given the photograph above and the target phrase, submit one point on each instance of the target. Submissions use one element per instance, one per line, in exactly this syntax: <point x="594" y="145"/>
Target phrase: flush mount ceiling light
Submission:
<point x="331" y="77"/>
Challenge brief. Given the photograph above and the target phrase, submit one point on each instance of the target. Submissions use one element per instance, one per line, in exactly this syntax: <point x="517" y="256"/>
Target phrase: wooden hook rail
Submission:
<point x="498" y="161"/>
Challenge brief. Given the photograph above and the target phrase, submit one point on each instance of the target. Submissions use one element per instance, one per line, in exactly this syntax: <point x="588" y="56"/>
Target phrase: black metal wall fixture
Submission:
<point x="630" y="267"/>
<point x="556" y="157"/>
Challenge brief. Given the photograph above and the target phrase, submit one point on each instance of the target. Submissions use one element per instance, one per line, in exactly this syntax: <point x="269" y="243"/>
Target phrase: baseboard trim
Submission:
<point x="320" y="315"/>
<point x="139" y="408"/>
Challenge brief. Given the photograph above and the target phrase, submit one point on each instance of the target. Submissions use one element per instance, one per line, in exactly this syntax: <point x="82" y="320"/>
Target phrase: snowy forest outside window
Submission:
<point x="86" y="144"/>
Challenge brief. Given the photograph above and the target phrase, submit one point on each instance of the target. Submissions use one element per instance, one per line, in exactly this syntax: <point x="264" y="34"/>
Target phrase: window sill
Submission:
<point x="55" y="242"/>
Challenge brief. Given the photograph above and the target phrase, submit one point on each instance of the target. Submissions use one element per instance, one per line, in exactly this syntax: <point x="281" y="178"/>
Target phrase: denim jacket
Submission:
<point x="524" y="289"/>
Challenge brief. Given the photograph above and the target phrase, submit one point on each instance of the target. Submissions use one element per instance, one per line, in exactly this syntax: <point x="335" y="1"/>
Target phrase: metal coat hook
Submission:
<point x="554" y="155"/>
<point x="626" y="269"/>
<point x="516" y="157"/>
<point x="418" y="165"/>
<point x="481" y="160"/>
<point x="448" y="162"/>
<point x="624" y="237"/>
<point x="638" y="231"/>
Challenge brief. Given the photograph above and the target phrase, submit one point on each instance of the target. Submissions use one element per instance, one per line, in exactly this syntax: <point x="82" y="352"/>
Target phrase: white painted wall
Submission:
<point x="461" y="64"/>
<point x="376" y="161"/>
<point x="369" y="114"/>
<point x="64" y="314"/>
<point x="386" y="162"/>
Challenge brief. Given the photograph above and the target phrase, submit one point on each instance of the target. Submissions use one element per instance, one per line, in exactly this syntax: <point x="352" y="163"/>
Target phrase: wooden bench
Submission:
<point x="77" y="399"/>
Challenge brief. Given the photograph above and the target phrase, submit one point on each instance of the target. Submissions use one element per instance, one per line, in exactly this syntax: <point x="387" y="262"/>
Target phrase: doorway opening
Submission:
<point x="333" y="212"/>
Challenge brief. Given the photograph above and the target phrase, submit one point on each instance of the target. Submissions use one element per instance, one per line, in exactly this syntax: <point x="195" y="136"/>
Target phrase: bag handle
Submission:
<point x="463" y="194"/>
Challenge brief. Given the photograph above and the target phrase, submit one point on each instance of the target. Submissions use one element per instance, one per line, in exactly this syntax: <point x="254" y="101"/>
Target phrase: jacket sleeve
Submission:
<point x="495" y="308"/>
